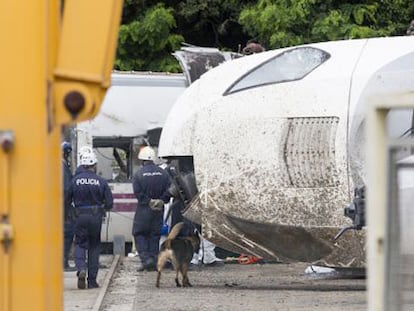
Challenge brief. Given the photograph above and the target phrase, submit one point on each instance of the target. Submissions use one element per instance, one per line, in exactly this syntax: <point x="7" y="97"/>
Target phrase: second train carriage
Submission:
<point x="132" y="114"/>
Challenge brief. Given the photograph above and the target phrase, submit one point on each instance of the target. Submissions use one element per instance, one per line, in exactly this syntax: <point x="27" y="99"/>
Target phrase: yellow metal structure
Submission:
<point x="49" y="76"/>
<point x="85" y="57"/>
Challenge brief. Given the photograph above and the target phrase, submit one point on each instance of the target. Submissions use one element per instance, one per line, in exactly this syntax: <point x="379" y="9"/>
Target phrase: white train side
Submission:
<point x="277" y="144"/>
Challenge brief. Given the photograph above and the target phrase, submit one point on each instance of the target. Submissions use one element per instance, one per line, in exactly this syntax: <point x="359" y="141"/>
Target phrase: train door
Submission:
<point x="117" y="163"/>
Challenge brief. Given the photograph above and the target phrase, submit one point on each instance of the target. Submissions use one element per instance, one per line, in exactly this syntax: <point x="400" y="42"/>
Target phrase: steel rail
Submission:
<point x="104" y="287"/>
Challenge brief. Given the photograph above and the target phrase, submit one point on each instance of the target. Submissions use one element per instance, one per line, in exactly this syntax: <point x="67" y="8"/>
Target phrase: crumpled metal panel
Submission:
<point x="287" y="243"/>
<point x="196" y="60"/>
<point x="300" y="187"/>
<point x="196" y="64"/>
<point x="286" y="175"/>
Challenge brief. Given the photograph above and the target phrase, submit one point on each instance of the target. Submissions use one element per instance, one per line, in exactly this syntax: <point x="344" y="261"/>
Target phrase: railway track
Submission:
<point x="105" y="285"/>
<point x="245" y="287"/>
<point x="90" y="299"/>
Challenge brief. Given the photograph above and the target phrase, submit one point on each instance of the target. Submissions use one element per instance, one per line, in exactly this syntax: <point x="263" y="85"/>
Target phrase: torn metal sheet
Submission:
<point x="195" y="60"/>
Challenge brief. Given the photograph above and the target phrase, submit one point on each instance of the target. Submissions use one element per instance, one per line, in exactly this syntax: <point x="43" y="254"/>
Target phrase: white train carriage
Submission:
<point x="133" y="113"/>
<point x="277" y="139"/>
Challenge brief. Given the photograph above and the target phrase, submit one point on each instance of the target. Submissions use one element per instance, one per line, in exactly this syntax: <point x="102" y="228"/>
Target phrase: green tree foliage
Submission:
<point x="212" y="23"/>
<point x="280" y="23"/>
<point x="146" y="38"/>
<point x="151" y="30"/>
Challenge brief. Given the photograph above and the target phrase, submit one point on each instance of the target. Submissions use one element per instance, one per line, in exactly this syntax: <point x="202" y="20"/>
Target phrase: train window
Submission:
<point x="114" y="158"/>
<point x="112" y="164"/>
<point x="290" y="65"/>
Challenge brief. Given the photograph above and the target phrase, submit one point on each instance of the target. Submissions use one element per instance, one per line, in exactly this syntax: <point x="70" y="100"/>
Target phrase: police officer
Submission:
<point x="68" y="215"/>
<point x="252" y="47"/>
<point x="91" y="197"/>
<point x="150" y="185"/>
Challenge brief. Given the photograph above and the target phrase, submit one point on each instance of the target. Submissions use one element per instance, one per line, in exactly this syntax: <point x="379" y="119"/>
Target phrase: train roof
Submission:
<point x="148" y="78"/>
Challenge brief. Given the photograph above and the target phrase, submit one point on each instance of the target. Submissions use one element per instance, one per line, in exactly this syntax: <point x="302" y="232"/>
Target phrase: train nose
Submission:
<point x="176" y="137"/>
<point x="178" y="131"/>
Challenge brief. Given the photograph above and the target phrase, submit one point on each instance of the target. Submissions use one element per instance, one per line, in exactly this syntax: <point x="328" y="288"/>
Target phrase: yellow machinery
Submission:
<point x="54" y="71"/>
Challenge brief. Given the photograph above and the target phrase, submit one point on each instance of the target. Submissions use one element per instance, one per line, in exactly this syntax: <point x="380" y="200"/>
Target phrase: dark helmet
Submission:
<point x="66" y="147"/>
<point x="253" y="47"/>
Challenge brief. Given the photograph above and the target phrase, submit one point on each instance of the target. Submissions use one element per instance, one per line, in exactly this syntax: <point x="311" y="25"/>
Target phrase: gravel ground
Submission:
<point x="233" y="287"/>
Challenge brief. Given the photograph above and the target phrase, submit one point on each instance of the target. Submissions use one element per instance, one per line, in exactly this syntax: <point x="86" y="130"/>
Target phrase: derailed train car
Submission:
<point x="275" y="143"/>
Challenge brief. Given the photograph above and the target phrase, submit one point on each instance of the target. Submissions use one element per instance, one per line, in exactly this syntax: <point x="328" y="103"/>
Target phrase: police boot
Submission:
<point x="93" y="284"/>
<point x="81" y="279"/>
<point x="150" y="264"/>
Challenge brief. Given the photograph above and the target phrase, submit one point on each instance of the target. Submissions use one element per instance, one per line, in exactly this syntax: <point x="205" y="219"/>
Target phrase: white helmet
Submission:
<point x="147" y="153"/>
<point x="88" y="158"/>
<point x="85" y="149"/>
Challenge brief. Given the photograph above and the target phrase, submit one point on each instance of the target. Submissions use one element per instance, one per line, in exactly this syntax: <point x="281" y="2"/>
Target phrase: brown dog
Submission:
<point x="180" y="252"/>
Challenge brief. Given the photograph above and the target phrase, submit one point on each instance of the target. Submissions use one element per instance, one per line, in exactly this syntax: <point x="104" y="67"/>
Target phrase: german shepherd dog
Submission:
<point x="180" y="252"/>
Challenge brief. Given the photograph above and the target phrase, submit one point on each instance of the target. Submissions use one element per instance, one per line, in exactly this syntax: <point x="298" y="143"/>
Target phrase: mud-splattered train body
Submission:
<point x="277" y="141"/>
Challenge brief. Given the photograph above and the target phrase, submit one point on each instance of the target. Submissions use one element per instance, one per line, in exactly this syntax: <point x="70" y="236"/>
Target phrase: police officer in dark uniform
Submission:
<point x="150" y="185"/>
<point x="91" y="197"/>
<point x="69" y="219"/>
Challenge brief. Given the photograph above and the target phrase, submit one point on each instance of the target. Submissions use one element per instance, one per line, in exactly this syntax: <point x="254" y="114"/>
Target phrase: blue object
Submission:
<point x="165" y="229"/>
<point x="66" y="147"/>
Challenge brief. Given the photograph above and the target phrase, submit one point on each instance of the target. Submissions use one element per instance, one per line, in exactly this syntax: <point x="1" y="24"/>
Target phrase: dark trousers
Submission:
<point x="68" y="235"/>
<point x="147" y="231"/>
<point x="88" y="240"/>
<point x="147" y="245"/>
